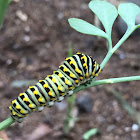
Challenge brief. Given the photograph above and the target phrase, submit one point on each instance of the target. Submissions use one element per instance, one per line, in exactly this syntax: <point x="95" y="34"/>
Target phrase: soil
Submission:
<point x="34" y="47"/>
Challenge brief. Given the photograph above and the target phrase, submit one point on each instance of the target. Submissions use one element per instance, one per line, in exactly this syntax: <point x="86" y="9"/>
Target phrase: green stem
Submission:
<point x="107" y="81"/>
<point x="66" y="126"/>
<point x="125" y="36"/>
<point x="7" y="122"/>
<point x="71" y="101"/>
<point x="10" y="120"/>
<point x="3" y="7"/>
<point x="111" y="51"/>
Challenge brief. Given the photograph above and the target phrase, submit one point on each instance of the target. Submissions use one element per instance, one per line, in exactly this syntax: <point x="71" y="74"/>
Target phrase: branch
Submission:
<point x="107" y="81"/>
<point x="7" y="122"/>
<point x="10" y="120"/>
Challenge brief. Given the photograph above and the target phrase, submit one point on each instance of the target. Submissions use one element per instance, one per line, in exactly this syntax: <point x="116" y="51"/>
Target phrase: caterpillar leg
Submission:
<point x="70" y="92"/>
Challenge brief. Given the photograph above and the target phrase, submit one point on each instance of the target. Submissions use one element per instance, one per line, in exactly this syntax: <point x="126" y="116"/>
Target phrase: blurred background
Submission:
<point x="34" y="41"/>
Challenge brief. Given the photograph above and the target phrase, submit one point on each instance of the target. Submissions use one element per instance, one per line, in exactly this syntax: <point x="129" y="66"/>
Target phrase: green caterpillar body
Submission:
<point x="75" y="70"/>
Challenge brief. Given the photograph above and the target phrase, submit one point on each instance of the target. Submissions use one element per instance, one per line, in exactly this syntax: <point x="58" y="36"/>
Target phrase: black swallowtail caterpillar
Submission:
<point x="75" y="70"/>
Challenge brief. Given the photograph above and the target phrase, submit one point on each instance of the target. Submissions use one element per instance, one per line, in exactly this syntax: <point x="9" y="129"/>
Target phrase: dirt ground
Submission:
<point x="34" y="45"/>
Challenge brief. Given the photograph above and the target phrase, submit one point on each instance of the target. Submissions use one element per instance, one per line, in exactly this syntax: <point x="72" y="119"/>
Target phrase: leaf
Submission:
<point x="128" y="12"/>
<point x="85" y="27"/>
<point x="90" y="133"/>
<point x="106" y="12"/>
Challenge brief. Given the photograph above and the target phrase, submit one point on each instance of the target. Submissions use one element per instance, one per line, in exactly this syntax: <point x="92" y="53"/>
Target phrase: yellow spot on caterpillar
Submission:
<point x="66" y="82"/>
<point x="35" y="92"/>
<point x="13" y="101"/>
<point x="59" y="88"/>
<point x="92" y="73"/>
<point x="72" y="62"/>
<point x="31" y="105"/>
<point x="13" y="113"/>
<point x="81" y="78"/>
<point x="67" y="58"/>
<point x="48" y="75"/>
<point x="22" y="111"/>
<point x="50" y="93"/>
<point x="40" y="80"/>
<point x="52" y="99"/>
<point x="20" y="94"/>
<point x="25" y="99"/>
<point x="86" y="74"/>
<point x="78" y="53"/>
<point x="63" y="93"/>
<point x="40" y="99"/>
<point x="96" y="74"/>
<point x="60" y="75"/>
<point x="77" y="70"/>
<point x="85" y="65"/>
<point x="42" y="104"/>
<point x="71" y="75"/>
<point x="76" y="81"/>
<point x="19" y="115"/>
<point x="64" y="69"/>
<point x="54" y="80"/>
<point x="17" y="106"/>
<point x="70" y="88"/>
<point x="45" y="85"/>
<point x="33" y="109"/>
<point x="30" y="87"/>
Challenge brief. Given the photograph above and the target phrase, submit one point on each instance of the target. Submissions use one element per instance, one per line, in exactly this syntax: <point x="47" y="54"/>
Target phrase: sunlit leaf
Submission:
<point x="128" y="12"/>
<point x="85" y="27"/>
<point x="106" y="12"/>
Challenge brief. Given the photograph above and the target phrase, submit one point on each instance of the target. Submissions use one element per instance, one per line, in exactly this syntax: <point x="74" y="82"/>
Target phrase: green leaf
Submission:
<point x="85" y="27"/>
<point x="106" y="12"/>
<point x="90" y="133"/>
<point x="128" y="12"/>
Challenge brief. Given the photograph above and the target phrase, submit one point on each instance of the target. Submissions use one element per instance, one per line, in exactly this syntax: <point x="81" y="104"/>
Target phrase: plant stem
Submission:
<point x="7" y="122"/>
<point x="66" y="126"/>
<point x="70" y="100"/>
<point x="107" y="81"/>
<point x="111" y="51"/>
<point x="10" y="120"/>
<point x="125" y="36"/>
<point x="3" y="7"/>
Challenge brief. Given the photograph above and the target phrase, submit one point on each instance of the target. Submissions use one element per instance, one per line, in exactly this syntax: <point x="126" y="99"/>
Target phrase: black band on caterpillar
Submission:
<point x="75" y="70"/>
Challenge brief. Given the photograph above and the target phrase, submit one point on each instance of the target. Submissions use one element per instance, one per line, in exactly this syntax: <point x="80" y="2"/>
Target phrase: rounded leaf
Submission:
<point x="128" y="12"/>
<point x="106" y="12"/>
<point x="85" y="27"/>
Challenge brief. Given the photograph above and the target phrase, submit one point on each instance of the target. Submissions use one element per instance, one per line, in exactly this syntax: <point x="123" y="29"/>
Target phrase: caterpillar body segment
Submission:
<point x="75" y="71"/>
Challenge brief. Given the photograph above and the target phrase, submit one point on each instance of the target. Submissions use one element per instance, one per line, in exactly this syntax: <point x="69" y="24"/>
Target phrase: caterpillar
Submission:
<point x="74" y="71"/>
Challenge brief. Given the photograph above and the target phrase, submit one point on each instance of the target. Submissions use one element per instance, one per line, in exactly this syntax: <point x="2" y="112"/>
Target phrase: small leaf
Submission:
<point x="128" y="12"/>
<point x="106" y="12"/>
<point x="91" y="132"/>
<point x="86" y="28"/>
